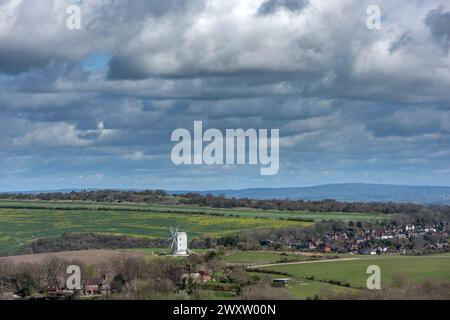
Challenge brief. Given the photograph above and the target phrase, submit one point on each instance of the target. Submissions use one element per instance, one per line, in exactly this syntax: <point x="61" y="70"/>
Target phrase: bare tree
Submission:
<point x="53" y="272"/>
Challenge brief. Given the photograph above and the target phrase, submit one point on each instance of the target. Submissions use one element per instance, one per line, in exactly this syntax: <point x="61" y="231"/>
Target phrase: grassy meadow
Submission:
<point x="415" y="269"/>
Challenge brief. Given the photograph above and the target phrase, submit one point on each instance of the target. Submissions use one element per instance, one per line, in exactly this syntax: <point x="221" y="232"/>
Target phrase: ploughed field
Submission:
<point x="89" y="257"/>
<point x="21" y="222"/>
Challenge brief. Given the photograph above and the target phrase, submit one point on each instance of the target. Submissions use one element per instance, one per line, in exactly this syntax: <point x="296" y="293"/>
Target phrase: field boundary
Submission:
<point x="302" y="262"/>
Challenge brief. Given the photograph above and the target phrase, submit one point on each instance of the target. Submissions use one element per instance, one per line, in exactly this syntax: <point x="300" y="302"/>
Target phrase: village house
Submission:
<point x="201" y="276"/>
<point x="378" y="240"/>
<point x="96" y="286"/>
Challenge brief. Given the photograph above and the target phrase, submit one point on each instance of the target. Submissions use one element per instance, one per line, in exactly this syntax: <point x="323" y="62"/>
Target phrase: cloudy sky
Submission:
<point x="95" y="107"/>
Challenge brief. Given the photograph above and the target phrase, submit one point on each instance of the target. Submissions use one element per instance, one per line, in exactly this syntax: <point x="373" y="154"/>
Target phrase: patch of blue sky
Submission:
<point x="96" y="61"/>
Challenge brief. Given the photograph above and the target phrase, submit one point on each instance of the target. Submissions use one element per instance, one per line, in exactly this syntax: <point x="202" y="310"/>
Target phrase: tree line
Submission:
<point x="196" y="199"/>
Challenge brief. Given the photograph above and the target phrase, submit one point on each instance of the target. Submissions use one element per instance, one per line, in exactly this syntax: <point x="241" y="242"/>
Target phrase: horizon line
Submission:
<point x="78" y="189"/>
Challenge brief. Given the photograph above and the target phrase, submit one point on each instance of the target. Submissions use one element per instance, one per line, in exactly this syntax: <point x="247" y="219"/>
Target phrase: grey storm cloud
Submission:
<point x="439" y="22"/>
<point x="402" y="41"/>
<point x="271" y="6"/>
<point x="95" y="107"/>
<point x="17" y="61"/>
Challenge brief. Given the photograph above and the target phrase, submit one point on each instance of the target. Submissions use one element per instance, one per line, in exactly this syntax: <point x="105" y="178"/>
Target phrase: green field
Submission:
<point x="18" y="227"/>
<point x="243" y="212"/>
<point x="416" y="269"/>
<point x="302" y="289"/>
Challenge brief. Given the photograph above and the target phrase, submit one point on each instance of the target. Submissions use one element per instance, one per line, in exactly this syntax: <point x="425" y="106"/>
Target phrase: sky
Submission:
<point x="95" y="107"/>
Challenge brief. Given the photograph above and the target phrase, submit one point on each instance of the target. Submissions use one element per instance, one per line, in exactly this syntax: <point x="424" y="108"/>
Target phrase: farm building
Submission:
<point x="282" y="282"/>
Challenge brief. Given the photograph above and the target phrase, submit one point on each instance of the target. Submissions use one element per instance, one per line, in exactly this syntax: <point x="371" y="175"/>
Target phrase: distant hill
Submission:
<point x="349" y="192"/>
<point x="352" y="192"/>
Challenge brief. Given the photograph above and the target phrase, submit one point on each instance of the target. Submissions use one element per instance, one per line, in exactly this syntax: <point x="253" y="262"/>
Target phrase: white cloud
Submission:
<point x="53" y="134"/>
<point x="139" y="156"/>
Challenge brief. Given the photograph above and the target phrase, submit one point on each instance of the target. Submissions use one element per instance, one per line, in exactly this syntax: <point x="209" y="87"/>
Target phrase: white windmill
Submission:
<point x="179" y="245"/>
